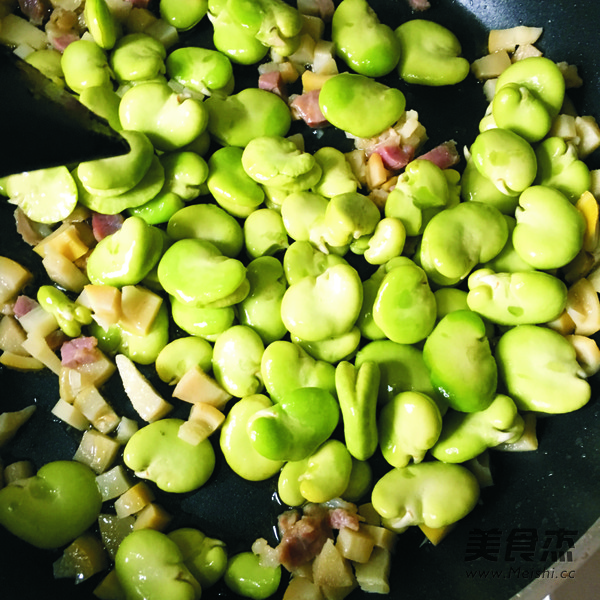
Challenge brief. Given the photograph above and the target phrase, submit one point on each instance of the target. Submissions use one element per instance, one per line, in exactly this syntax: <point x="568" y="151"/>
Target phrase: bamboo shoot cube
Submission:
<point x="203" y="421"/>
<point x="11" y="422"/>
<point x="587" y="354"/>
<point x="96" y="409"/>
<point x="152" y="516"/>
<point x="382" y="537"/>
<point x="15" y="30"/>
<point x="13" y="278"/>
<point x="114" y="530"/>
<point x="99" y="371"/>
<point x="64" y="272"/>
<point x="491" y="65"/>
<point x="12" y="336"/>
<point x="97" y="451"/>
<point x="373" y="576"/>
<point x="354" y="545"/>
<point x="436" y="534"/>
<point x="133" y="500"/>
<point x="20" y="469"/>
<point x="196" y="386"/>
<point x="20" y="363"/>
<point x="331" y="569"/>
<point x="83" y="558"/>
<point x="125" y="429"/>
<point x="38" y="348"/>
<point x="302" y="588"/>
<point x="110" y="587"/>
<point x="38" y="322"/>
<point x="113" y="483"/>
<point x="139" y="307"/>
<point x="70" y="415"/>
<point x="72" y="240"/>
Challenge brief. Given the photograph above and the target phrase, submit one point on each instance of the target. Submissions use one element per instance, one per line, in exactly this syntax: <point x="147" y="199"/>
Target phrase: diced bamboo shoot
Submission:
<point x="587" y="352"/>
<point x="382" y="537"/>
<point x="20" y="469"/>
<point x="38" y="348"/>
<point x="20" y="363"/>
<point x="139" y="307"/>
<point x="163" y="32"/>
<point x="583" y="307"/>
<point x="563" y="324"/>
<point x="563" y="126"/>
<point x="11" y="422"/>
<point x="125" y="429"/>
<point x="354" y="545"/>
<point x="13" y="278"/>
<point x="588" y="205"/>
<point x="15" y="30"/>
<point x="83" y="558"/>
<point x="97" y="451"/>
<point x="113" y="483"/>
<point x="114" y="530"/>
<point x="38" y="322"/>
<point x="331" y="569"/>
<point x="99" y="371"/>
<point x="203" y="421"/>
<point x="491" y="65"/>
<point x="376" y="173"/>
<point x="436" y="534"/>
<point x="144" y="398"/>
<point x="72" y="416"/>
<point x="96" y="409"/>
<point x="509" y="39"/>
<point x="197" y="386"/>
<point x="369" y="514"/>
<point x="373" y="576"/>
<point x="314" y="81"/>
<point x="480" y="467"/>
<point x="152" y="516"/>
<point x="12" y="336"/>
<point x="528" y="441"/>
<point x="525" y="51"/>
<point x="72" y="240"/>
<point x="105" y="303"/>
<point x="588" y="133"/>
<point x="133" y="500"/>
<point x="110" y="587"/>
<point x="313" y="25"/>
<point x="302" y="588"/>
<point x="64" y="272"/>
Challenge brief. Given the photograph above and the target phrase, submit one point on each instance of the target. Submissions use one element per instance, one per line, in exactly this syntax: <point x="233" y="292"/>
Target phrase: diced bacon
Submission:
<point x="105" y="225"/>
<point x="306" y="107"/>
<point x="31" y="232"/>
<point x="37" y="11"/>
<point x="272" y="81"/>
<point x="419" y="5"/>
<point x="62" y="28"/>
<point x="394" y="156"/>
<point x="79" y="351"/>
<point x="444" y="156"/>
<point x="61" y="42"/>
<point x="340" y="518"/>
<point x="23" y="305"/>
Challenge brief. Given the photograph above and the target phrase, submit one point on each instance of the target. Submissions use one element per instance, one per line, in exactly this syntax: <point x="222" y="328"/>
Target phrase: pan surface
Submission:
<point x="541" y="502"/>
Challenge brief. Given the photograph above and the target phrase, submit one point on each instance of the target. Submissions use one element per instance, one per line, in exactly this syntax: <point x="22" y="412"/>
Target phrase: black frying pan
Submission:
<point x="538" y="493"/>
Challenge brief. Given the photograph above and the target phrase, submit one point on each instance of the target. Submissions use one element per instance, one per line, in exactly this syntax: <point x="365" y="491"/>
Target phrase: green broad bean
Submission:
<point x="544" y="217"/>
<point x="288" y="483"/>
<point x="421" y="192"/>
<point x="387" y="241"/>
<point x="431" y="493"/>
<point x="237" y="356"/>
<point x="508" y="260"/>
<point x="126" y="256"/>
<point x="69" y="315"/>
<point x="185" y="173"/>
<point x="138" y="57"/>
<point x="208" y="223"/>
<point x="466" y="435"/>
<point x="365" y="322"/>
<point x="346" y="100"/>
<point x="337" y="176"/>
<point x="332" y="349"/>
<point x="206" y="323"/>
<point x="85" y="64"/>
<point x="104" y="102"/>
<point x="365" y="44"/>
<point x="517" y="109"/>
<point x="109" y="204"/>
<point x="45" y="195"/>
<point x="285" y="367"/>
<point x="142" y="349"/>
<point x="448" y="300"/>
<point x="322" y="307"/>
<point x="276" y="161"/>
<point x="47" y="60"/>
<point x="183" y="16"/>
<point x="261" y="308"/>
<point x="156" y="110"/>
<point x="158" y="210"/>
<point x="302" y="260"/>
<point x="101" y="23"/>
<point x="251" y="113"/>
<point x="560" y="168"/>
<point x="459" y="238"/>
<point x="118" y="174"/>
<point x="409" y="425"/>
<point x="247" y="577"/>
<point x="541" y="76"/>
<point x="404" y="307"/>
<point x="220" y="281"/>
<point x="462" y="367"/>
<point x="264" y="233"/>
<point x="232" y="188"/>
<point x="357" y="391"/>
<point x="181" y="355"/>
<point x="52" y="508"/>
<point x="206" y="558"/>
<point x="150" y="565"/>
<point x="430" y="54"/>
<point x="303" y="215"/>
<point x="506" y="159"/>
<point x="527" y="298"/>
<point x="157" y="453"/>
<point x="361" y="479"/>
<point x="202" y="70"/>
<point x="236" y="445"/>
<point x="288" y="429"/>
<point x="401" y="368"/>
<point x="348" y="217"/>
<point x="539" y="370"/>
<point x="478" y="188"/>
<point x="235" y="41"/>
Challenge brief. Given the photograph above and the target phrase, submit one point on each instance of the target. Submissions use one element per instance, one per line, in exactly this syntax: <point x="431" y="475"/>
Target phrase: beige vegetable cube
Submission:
<point x="83" y="558"/>
<point x="38" y="348"/>
<point x="302" y="588"/>
<point x="20" y="363"/>
<point x="15" y="30"/>
<point x="97" y="451"/>
<point x="110" y="587"/>
<point x="480" y="467"/>
<point x="38" y="322"/>
<point x="72" y="416"/>
<point x="583" y="307"/>
<point x="139" y="307"/>
<point x="373" y="576"/>
<point x="509" y="39"/>
<point x="133" y="500"/>
<point x="436" y="534"/>
<point x="525" y="51"/>
<point x="12" y="336"/>
<point x="13" y="278"/>
<point x="20" y="469"/>
<point x="113" y="483"/>
<point x="355" y="545"/>
<point x="125" y="429"/>
<point x="331" y="569"/>
<point x="528" y="441"/>
<point x="369" y="514"/>
<point x="11" y="422"/>
<point x="589" y="135"/>
<point x="587" y="352"/>
<point x="96" y="409"/>
<point x="144" y="398"/>
<point x="72" y="240"/>
<point x="588" y="205"/>
<point x="197" y="386"/>
<point x="114" y="530"/>
<point x="98" y="372"/>
<point x="105" y="303"/>
<point x="491" y="65"/>
<point x="382" y="537"/>
<point x="152" y="516"/>
<point x="376" y="173"/>
<point x="64" y="272"/>
<point x="314" y="81"/>
<point x="203" y="421"/>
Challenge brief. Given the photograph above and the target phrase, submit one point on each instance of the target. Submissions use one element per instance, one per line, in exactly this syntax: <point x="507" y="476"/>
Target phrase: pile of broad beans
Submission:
<point x="317" y="310"/>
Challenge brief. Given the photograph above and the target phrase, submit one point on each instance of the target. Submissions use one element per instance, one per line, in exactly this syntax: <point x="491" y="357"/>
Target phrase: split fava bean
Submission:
<point x="332" y="349"/>
<point x="138" y="57"/>
<point x="85" y="64"/>
<point x="101" y="23"/>
<point x="207" y="323"/>
<point x="264" y="233"/>
<point x="183" y="16"/>
<point x="185" y="173"/>
<point x="182" y="354"/>
<point x="337" y="176"/>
